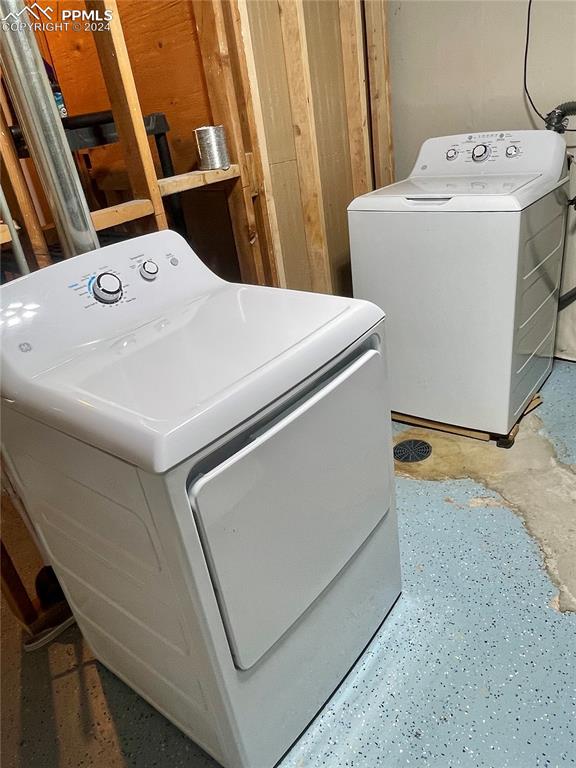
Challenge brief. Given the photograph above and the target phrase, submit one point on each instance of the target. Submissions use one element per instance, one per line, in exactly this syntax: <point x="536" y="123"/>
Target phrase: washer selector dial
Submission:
<point x="512" y="150"/>
<point x="451" y="154"/>
<point x="149" y="270"/>
<point x="480" y="152"/>
<point x="107" y="288"/>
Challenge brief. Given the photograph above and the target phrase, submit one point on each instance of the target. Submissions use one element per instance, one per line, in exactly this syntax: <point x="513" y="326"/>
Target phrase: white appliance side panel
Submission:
<point x="541" y="249"/>
<point x="566" y="332"/>
<point x="90" y="513"/>
<point x="446" y="282"/>
<point x="283" y="516"/>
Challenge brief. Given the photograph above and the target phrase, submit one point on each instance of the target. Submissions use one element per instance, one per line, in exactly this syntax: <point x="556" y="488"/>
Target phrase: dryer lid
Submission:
<point x="174" y="365"/>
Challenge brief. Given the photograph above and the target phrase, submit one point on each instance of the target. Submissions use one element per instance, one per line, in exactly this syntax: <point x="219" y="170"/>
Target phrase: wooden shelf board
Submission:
<point x="171" y="185"/>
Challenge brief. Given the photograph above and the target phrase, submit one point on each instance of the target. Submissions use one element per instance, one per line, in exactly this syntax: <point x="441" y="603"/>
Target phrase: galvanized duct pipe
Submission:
<point x="41" y="125"/>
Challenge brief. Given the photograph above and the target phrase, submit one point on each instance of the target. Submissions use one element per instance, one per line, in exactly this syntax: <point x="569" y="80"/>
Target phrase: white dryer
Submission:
<point x="465" y="257"/>
<point x="208" y="467"/>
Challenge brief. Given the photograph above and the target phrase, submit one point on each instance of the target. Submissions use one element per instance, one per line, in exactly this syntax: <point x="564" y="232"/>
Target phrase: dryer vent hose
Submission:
<point x="555" y="120"/>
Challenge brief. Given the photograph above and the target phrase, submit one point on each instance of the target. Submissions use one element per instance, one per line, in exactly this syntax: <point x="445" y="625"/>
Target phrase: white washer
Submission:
<point x="208" y="468"/>
<point x="465" y="257"/>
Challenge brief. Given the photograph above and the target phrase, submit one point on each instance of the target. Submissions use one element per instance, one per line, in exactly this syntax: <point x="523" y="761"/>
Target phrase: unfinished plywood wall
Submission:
<point x="309" y="64"/>
<point x="166" y="61"/>
<point x="163" y="46"/>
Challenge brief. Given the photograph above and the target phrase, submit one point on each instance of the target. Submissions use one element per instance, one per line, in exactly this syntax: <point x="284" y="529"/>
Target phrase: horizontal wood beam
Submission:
<point x="121" y="213"/>
<point x="171" y="185"/>
<point x="440" y="426"/>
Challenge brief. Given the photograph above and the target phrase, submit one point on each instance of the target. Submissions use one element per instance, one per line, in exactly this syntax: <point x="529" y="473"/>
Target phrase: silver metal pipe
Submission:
<point x="16" y="244"/>
<point x="41" y="125"/>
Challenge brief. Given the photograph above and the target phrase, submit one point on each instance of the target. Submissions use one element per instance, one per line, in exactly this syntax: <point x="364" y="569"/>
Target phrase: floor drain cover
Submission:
<point x="412" y="450"/>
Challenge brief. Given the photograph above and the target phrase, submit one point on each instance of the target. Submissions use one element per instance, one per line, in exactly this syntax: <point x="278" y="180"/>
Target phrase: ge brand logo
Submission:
<point x="25" y="347"/>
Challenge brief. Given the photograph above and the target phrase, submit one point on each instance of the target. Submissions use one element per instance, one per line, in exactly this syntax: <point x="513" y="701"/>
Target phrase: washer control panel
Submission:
<point x="494" y="152"/>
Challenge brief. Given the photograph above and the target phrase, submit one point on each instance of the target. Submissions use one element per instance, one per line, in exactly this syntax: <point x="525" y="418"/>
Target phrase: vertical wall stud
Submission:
<point x="305" y="139"/>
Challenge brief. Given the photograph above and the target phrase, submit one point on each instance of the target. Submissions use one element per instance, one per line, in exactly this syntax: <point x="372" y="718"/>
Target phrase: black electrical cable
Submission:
<point x="526" y="91"/>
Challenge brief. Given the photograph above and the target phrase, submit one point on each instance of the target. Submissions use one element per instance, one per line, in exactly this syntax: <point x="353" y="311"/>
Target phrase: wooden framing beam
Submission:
<point x="305" y="139"/>
<point x="379" y="91"/>
<point x="119" y="78"/>
<point x="30" y="222"/>
<point x="355" y="84"/>
<point x="244" y="68"/>
<point x="224" y="106"/>
<point x="121" y="213"/>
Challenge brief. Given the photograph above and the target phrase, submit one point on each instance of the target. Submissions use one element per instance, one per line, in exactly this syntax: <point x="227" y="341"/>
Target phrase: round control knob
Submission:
<point x="451" y="154"/>
<point x="149" y="270"/>
<point x="480" y="152"/>
<point x="511" y="151"/>
<point x="107" y="288"/>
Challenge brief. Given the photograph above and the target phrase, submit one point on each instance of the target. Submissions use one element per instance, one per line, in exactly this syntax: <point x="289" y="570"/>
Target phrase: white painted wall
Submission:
<point x="456" y="66"/>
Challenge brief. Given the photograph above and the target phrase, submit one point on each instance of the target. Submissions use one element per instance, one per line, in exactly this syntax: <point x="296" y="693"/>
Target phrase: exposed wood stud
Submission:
<point x="30" y="221"/>
<point x="355" y="83"/>
<point x="236" y="18"/>
<point x="305" y="140"/>
<point x="379" y="91"/>
<point x="223" y="103"/>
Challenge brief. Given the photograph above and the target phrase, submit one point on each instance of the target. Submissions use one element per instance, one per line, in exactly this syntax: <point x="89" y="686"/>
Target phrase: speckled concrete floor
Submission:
<point x="472" y="668"/>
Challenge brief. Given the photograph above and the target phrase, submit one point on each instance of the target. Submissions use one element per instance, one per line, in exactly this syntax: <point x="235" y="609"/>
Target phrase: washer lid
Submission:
<point x="450" y="186"/>
<point x="482" y="192"/>
<point x="179" y="363"/>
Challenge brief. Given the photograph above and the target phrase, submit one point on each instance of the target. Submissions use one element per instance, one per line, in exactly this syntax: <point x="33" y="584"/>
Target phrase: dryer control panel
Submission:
<point x="129" y="272"/>
<point x="497" y="152"/>
<point x="48" y="316"/>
